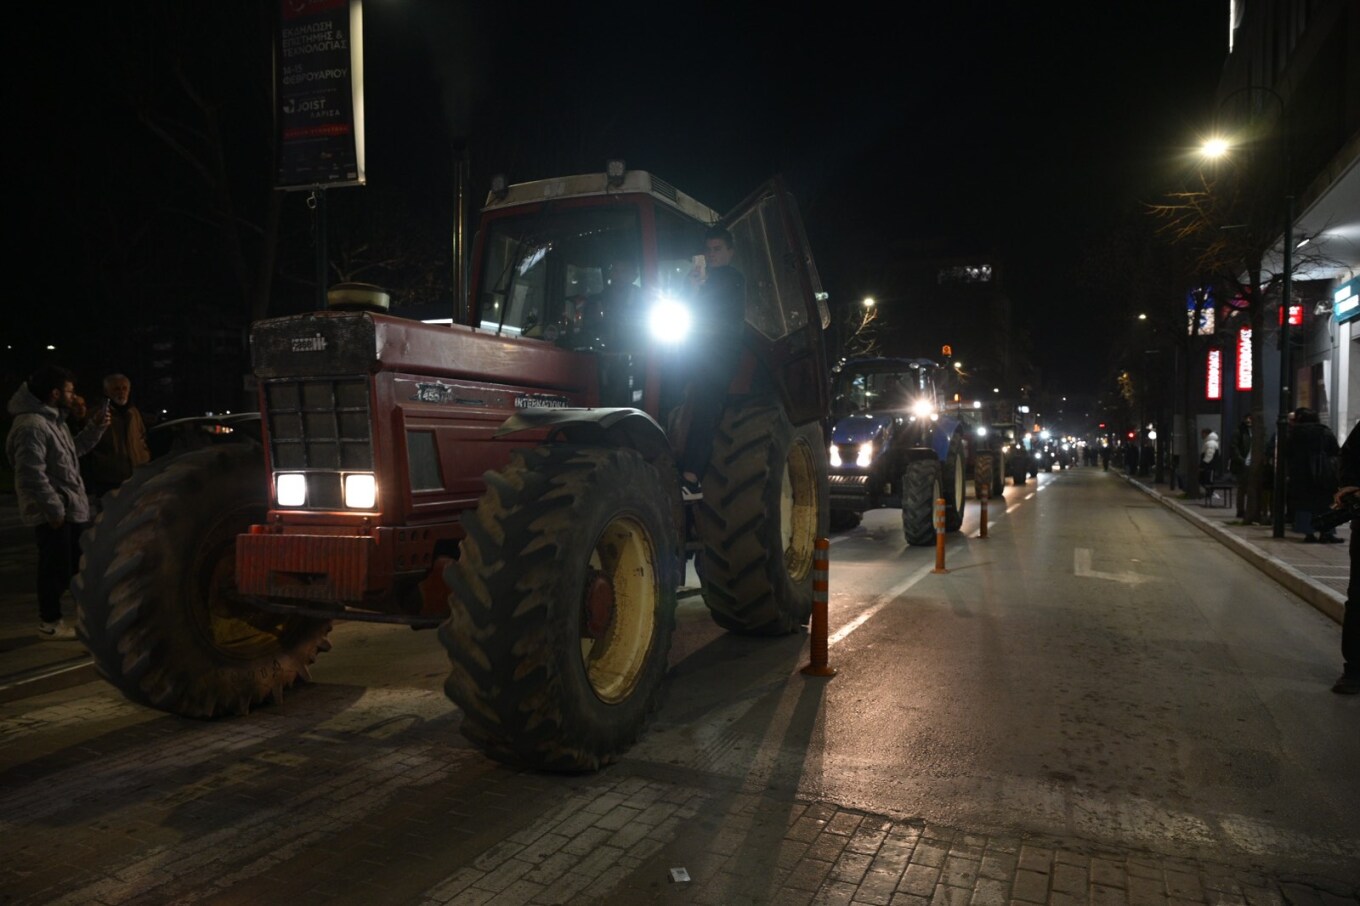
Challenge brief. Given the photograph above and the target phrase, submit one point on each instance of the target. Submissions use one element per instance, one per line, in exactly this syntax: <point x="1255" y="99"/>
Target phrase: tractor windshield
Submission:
<point x="859" y="391"/>
<point x="558" y="274"/>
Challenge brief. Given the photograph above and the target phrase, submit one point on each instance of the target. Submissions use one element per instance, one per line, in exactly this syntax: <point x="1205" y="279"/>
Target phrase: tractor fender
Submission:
<point x="621" y="427"/>
<point x="942" y="438"/>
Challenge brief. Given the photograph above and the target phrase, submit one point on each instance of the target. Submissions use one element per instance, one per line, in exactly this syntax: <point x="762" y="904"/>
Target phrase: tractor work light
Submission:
<point x="361" y="490"/>
<point x="290" y="488"/>
<point x="669" y="321"/>
<point x="981" y="430"/>
<point x="922" y="408"/>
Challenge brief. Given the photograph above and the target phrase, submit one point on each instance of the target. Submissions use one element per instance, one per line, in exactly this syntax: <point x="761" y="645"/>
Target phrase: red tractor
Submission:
<point x="507" y="480"/>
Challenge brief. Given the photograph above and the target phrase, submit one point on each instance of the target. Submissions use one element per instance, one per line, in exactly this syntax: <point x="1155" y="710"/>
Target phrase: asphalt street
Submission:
<point x="1098" y="703"/>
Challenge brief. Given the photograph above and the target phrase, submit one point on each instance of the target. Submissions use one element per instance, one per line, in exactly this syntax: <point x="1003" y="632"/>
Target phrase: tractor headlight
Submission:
<point x="290" y="488"/>
<point x="669" y="320"/>
<point x="922" y="408"/>
<point x="361" y="490"/>
<point x="982" y="431"/>
<point x="865" y="456"/>
<point x="834" y="456"/>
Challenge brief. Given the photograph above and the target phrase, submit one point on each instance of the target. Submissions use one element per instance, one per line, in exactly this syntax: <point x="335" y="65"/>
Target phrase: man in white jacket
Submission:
<point x="1208" y="456"/>
<point x="52" y="499"/>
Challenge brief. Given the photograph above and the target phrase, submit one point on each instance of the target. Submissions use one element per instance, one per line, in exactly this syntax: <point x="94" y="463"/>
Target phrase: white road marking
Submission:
<point x="1081" y="567"/>
<point x="883" y="601"/>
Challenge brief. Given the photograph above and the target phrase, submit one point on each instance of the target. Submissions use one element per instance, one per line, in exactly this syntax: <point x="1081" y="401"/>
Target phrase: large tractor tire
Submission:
<point x="955" y="487"/>
<point x="562" y="606"/>
<point x="921" y="486"/>
<point x="155" y="596"/>
<point x="765" y="504"/>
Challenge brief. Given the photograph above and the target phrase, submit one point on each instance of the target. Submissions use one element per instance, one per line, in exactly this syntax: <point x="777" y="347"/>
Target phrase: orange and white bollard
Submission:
<point x="939" y="536"/>
<point x="819" y="627"/>
<point x="982" y="515"/>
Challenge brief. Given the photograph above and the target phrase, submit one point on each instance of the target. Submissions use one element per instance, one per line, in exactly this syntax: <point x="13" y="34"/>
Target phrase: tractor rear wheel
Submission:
<point x="156" y="598"/>
<point x="562" y="606"/>
<point x="921" y="487"/>
<point x="764" y="506"/>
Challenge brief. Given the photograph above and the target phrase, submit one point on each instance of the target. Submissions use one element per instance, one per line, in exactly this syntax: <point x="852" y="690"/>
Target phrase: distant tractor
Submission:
<point x="894" y="445"/>
<point x="507" y="480"/>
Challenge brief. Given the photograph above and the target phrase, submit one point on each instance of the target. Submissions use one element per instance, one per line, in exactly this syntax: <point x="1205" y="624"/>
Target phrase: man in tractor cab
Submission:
<point x="719" y="322"/>
<point x="618" y="308"/>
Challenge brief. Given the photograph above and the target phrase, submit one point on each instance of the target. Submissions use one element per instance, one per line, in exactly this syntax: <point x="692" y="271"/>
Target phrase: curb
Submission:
<point x="1322" y="598"/>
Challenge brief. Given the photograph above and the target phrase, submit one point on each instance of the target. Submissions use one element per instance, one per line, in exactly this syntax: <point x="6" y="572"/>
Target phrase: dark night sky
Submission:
<point x="1019" y="129"/>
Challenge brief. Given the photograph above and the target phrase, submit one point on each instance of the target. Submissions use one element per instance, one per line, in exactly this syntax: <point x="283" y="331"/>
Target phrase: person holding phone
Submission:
<point x="719" y="322"/>
<point x="123" y="446"/>
<point x="47" y="482"/>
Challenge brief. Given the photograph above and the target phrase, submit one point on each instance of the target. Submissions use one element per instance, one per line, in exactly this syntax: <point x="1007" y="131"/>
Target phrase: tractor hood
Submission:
<point x="861" y="427"/>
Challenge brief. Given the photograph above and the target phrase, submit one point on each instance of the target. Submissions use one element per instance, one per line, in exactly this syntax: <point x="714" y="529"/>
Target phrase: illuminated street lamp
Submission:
<point x="869" y="302"/>
<point x="1213" y="149"/>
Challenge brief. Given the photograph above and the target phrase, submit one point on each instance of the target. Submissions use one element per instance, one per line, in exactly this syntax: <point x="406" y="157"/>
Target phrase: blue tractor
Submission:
<point x="894" y="445"/>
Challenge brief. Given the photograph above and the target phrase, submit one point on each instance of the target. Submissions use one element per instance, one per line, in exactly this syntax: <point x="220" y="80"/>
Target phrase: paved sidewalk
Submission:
<point x="1317" y="573"/>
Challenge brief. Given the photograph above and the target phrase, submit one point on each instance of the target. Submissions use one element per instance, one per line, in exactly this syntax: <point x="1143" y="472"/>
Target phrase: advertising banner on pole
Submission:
<point x="1244" y="358"/>
<point x="319" y="94"/>
<point x="1213" y="375"/>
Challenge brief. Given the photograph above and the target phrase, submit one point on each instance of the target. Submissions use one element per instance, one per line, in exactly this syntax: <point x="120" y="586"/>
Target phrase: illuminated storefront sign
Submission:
<point x="1295" y="315"/>
<point x="1213" y="375"/>
<point x="1346" y="300"/>
<point x="1244" y="358"/>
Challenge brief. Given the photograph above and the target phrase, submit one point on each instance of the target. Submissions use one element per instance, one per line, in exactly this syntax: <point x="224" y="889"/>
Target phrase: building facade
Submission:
<point x="1292" y="72"/>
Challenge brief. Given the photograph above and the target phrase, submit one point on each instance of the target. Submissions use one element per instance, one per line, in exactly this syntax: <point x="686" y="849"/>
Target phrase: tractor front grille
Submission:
<point x="319" y="424"/>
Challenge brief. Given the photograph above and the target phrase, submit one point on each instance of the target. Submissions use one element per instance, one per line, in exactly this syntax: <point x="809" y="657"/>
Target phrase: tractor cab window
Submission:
<point x="562" y="275"/>
<point x="678" y="241"/>
<point x="774" y="298"/>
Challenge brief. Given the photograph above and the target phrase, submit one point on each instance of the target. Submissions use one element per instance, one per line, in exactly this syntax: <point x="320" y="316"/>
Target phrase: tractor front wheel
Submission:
<point x="921" y="487"/>
<point x="156" y="598"/>
<point x="562" y="606"/>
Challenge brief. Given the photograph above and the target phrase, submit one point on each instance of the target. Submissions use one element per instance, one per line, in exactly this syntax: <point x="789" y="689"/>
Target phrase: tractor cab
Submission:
<point x="604" y="265"/>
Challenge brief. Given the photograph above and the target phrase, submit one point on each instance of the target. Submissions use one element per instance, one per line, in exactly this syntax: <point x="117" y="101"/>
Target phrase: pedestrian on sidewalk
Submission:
<point x="1209" y="460"/>
<point x="1239" y="462"/>
<point x="1313" y="453"/>
<point x="123" y="446"/>
<point x="47" y="482"/>
<point x="1349" y="681"/>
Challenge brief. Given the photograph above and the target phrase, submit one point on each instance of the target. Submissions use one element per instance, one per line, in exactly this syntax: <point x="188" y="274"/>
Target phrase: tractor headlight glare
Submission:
<point x="361" y="490"/>
<point x="290" y="488"/>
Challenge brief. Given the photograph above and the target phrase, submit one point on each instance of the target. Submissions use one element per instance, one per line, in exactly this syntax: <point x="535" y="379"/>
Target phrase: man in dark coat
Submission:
<point x="719" y="320"/>
<point x="1239" y="462"/>
<point x="1349" y="681"/>
<point x="1312" y="473"/>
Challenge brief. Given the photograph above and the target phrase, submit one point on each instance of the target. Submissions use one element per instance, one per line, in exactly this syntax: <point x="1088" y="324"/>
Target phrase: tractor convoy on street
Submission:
<point x="511" y="480"/>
